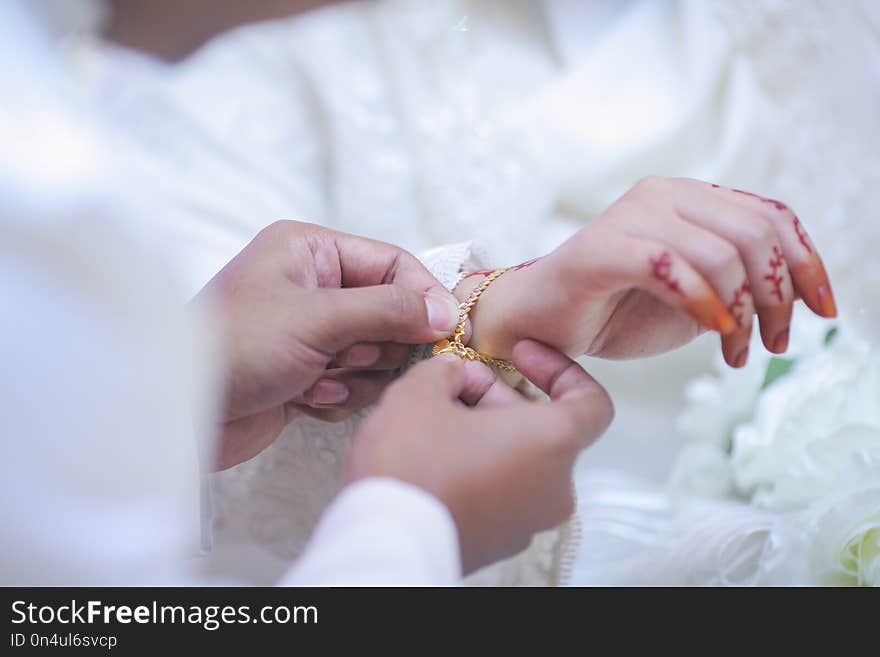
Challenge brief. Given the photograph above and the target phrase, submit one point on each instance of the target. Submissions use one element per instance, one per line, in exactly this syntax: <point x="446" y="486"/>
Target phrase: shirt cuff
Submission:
<point x="381" y="532"/>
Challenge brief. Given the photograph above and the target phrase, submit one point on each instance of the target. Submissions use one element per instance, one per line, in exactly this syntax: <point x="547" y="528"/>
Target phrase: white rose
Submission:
<point x="807" y="425"/>
<point x="715" y="404"/>
<point x="702" y="469"/>
<point x="845" y="548"/>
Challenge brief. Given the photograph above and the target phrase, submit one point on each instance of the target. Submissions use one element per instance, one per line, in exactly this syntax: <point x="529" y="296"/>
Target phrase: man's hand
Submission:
<point x="502" y="465"/>
<point x="315" y="321"/>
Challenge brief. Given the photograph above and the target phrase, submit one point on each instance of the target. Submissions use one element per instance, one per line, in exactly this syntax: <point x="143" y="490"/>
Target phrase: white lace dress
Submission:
<point x="506" y="125"/>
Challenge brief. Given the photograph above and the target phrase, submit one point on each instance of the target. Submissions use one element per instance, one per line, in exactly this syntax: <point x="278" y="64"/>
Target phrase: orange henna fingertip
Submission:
<point x="780" y="342"/>
<point x="826" y="301"/>
<point x="814" y="287"/>
<point x="712" y="314"/>
<point x="725" y="322"/>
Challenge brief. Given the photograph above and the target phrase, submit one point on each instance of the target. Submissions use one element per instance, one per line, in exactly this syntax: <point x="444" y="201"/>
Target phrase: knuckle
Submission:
<point x="281" y="236"/>
<point x="650" y="184"/>
<point x="283" y="228"/>
<point x="289" y="233"/>
<point x="726" y="256"/>
<point x="780" y="208"/>
<point x="756" y="234"/>
<point x="402" y="257"/>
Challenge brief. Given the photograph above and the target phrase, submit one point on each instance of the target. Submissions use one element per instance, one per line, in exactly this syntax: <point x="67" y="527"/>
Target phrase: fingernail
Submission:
<point x="826" y="301"/>
<point x="725" y="322"/>
<point x="361" y="355"/>
<point x="780" y="344"/>
<point x="442" y="312"/>
<point x="328" y="391"/>
<point x="741" y="359"/>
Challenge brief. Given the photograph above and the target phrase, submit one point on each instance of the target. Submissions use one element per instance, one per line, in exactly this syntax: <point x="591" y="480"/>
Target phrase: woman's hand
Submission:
<point x="670" y="258"/>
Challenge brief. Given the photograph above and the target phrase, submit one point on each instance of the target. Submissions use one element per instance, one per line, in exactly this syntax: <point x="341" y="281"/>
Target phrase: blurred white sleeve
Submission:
<point x="381" y="532"/>
<point x="107" y="381"/>
<point x="103" y="406"/>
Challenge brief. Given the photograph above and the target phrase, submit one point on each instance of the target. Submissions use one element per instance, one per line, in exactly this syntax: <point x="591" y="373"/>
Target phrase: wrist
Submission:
<point x="492" y="330"/>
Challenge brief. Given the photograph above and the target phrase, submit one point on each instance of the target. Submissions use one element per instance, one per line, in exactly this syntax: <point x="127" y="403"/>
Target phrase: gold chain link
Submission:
<point x="454" y="344"/>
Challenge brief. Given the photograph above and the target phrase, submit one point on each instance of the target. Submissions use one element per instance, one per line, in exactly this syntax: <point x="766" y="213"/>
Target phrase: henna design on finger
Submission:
<point x="737" y="307"/>
<point x="753" y="195"/>
<point x="802" y="235"/>
<point x="488" y="272"/>
<point x="779" y="205"/>
<point x="661" y="267"/>
<point x="481" y="272"/>
<point x="775" y="276"/>
<point x="527" y="263"/>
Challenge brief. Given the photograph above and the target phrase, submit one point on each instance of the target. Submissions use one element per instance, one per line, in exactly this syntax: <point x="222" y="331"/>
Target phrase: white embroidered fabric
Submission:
<point x="401" y="121"/>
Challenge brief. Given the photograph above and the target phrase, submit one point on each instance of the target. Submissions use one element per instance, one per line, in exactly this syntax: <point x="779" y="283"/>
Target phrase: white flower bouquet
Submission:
<point x="796" y="442"/>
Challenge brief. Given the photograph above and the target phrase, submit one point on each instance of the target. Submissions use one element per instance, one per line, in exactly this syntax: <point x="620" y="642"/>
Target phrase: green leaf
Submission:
<point x="829" y="337"/>
<point x="776" y="369"/>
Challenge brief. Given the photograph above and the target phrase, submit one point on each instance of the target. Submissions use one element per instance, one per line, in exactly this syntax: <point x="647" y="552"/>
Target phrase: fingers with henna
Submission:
<point x="809" y="278"/>
<point x="661" y="270"/>
<point x="721" y="264"/>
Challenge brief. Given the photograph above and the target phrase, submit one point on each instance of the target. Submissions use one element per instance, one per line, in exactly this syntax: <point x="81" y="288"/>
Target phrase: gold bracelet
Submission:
<point x="454" y="345"/>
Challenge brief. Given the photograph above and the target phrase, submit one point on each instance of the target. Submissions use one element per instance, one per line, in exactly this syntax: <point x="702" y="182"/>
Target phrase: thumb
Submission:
<point x="550" y="370"/>
<point x="443" y="377"/>
<point x="572" y="391"/>
<point x="383" y="313"/>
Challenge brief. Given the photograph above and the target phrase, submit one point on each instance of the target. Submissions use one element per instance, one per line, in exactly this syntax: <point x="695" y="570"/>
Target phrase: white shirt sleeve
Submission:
<point x="381" y="532"/>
